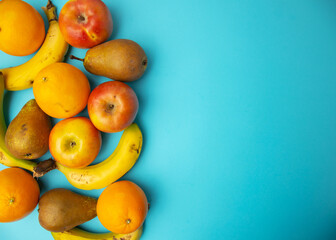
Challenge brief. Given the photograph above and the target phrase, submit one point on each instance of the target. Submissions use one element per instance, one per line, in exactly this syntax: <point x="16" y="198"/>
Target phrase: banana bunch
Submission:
<point x="78" y="234"/>
<point x="52" y="50"/>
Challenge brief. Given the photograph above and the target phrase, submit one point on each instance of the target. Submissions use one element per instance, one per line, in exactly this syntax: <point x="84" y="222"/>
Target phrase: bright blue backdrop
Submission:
<point x="238" y="112"/>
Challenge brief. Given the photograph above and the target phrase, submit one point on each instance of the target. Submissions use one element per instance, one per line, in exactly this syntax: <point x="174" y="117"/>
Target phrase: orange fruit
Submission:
<point x="22" y="29"/>
<point x="61" y="90"/>
<point x="122" y="207"/>
<point x="19" y="194"/>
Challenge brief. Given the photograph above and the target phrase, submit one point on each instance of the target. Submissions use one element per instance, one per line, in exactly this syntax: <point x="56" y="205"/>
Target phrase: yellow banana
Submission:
<point x="78" y="234"/>
<point x="111" y="169"/>
<point x="52" y="50"/>
<point x="5" y="157"/>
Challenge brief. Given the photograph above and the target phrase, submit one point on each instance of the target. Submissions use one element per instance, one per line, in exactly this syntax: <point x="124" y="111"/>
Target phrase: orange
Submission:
<point x="61" y="90"/>
<point x="22" y="29"/>
<point x="19" y="194"/>
<point x="122" y="207"/>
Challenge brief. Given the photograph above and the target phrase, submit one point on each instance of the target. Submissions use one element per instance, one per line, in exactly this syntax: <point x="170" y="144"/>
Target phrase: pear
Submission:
<point x="119" y="59"/>
<point x="61" y="209"/>
<point x="27" y="136"/>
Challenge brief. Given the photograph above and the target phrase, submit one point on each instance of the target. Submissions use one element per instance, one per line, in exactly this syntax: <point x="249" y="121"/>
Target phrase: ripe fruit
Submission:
<point x="80" y="234"/>
<point x="61" y="90"/>
<point x="75" y="142"/>
<point x="119" y="59"/>
<point x="85" y="23"/>
<point x="121" y="160"/>
<point x="122" y="207"/>
<point x="52" y="50"/>
<point x="22" y="29"/>
<point x="112" y="106"/>
<point x="61" y="210"/>
<point x="19" y="194"/>
<point x="27" y="136"/>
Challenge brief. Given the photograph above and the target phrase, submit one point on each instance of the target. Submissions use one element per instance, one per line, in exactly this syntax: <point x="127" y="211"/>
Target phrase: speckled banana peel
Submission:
<point x="52" y="50"/>
<point x="78" y="234"/>
<point x="6" y="158"/>
<point x="111" y="169"/>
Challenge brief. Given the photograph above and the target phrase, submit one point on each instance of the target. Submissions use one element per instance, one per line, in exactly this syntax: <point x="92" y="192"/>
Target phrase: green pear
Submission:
<point x="119" y="59"/>
<point x="27" y="136"/>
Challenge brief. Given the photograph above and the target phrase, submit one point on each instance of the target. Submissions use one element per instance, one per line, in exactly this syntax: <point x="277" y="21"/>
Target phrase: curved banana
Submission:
<point x="52" y="50"/>
<point x="78" y="234"/>
<point x="6" y="158"/>
<point x="111" y="169"/>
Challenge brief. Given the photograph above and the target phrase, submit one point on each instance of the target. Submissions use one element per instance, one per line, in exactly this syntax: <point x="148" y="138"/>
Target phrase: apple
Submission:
<point x="85" y="23"/>
<point x="74" y="142"/>
<point x="112" y="106"/>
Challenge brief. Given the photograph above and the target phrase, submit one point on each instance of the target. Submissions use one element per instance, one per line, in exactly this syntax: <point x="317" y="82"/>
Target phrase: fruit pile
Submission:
<point x="63" y="91"/>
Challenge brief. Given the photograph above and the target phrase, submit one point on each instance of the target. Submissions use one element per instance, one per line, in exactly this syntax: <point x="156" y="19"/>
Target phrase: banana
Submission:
<point x="78" y="234"/>
<point x="52" y="50"/>
<point x="111" y="169"/>
<point x="5" y="157"/>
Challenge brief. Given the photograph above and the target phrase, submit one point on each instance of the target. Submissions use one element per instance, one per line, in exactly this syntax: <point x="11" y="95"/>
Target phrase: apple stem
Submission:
<point x="74" y="57"/>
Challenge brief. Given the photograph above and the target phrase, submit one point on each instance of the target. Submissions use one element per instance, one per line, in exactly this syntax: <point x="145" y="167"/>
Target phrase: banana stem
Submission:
<point x="74" y="57"/>
<point x="50" y="11"/>
<point x="43" y="167"/>
<point x="50" y="4"/>
<point x="38" y="169"/>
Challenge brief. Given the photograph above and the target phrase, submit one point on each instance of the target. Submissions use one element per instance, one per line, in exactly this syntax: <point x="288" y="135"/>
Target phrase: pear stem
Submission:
<point x="74" y="57"/>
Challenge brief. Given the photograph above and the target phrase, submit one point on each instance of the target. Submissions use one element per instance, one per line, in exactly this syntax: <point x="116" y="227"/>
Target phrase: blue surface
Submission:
<point x="238" y="112"/>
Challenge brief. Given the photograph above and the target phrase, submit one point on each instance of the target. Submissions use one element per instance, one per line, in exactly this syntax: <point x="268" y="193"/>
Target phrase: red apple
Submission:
<point x="75" y="142"/>
<point x="112" y="106"/>
<point x="85" y="23"/>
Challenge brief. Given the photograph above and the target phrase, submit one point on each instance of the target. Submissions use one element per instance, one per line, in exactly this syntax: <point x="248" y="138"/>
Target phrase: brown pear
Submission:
<point x="61" y="209"/>
<point x="27" y="136"/>
<point x="119" y="59"/>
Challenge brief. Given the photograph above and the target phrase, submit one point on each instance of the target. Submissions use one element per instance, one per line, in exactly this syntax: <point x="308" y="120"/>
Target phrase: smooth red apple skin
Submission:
<point x="85" y="23"/>
<point x="75" y="142"/>
<point x="112" y="106"/>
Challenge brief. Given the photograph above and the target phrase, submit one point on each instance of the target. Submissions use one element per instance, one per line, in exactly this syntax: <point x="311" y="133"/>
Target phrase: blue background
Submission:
<point x="238" y="112"/>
